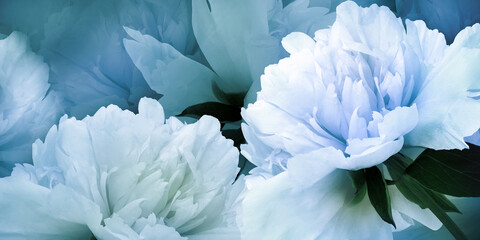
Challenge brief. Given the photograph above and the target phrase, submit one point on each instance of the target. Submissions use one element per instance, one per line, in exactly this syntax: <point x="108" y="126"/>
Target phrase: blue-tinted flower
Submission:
<point x="27" y="107"/>
<point x="124" y="176"/>
<point x="82" y="41"/>
<point x="448" y="16"/>
<point x="349" y="99"/>
<point x="238" y="39"/>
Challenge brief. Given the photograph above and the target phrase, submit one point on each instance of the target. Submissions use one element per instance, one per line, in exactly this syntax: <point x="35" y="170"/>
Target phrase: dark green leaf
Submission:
<point x="358" y="179"/>
<point x="223" y="112"/>
<point x="421" y="195"/>
<point x="244" y="165"/>
<point x="426" y="199"/>
<point x="443" y="202"/>
<point x="378" y="194"/>
<point x="397" y="165"/>
<point x="236" y="135"/>
<point x="451" y="172"/>
<point x="235" y="99"/>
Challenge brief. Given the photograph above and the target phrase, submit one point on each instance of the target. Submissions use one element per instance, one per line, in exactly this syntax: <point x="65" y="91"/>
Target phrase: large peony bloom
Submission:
<point x="27" y="107"/>
<point x="349" y="99"/>
<point x="81" y="40"/>
<point x="124" y="176"/>
<point x="238" y="38"/>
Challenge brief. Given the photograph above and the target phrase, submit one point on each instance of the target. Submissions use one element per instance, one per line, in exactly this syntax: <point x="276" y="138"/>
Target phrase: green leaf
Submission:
<point x="450" y="172"/>
<point x="417" y="190"/>
<point x="421" y="195"/>
<point x="235" y="99"/>
<point x="236" y="135"/>
<point x="378" y="194"/>
<point x="358" y="179"/>
<point x="223" y="112"/>
<point x="397" y="165"/>
<point x="443" y="202"/>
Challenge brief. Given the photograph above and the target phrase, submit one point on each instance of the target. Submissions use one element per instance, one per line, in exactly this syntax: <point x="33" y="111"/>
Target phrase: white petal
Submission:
<point x="447" y="110"/>
<point x="307" y="169"/>
<point x="372" y="155"/>
<point x="412" y="210"/>
<point x="297" y="41"/>
<point x="398" y="122"/>
<point x="151" y="109"/>
<point x="28" y="213"/>
<point x="374" y="30"/>
<point x="278" y="210"/>
<point x="360" y="222"/>
<point x="429" y="45"/>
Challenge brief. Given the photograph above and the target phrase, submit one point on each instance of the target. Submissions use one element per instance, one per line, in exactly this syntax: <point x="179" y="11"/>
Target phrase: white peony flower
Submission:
<point x="349" y="99"/>
<point x="124" y="176"/>
<point x="27" y="108"/>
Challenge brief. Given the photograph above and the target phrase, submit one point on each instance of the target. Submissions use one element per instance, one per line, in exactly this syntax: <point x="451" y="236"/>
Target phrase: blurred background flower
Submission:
<point x="82" y="43"/>
<point x="28" y="107"/>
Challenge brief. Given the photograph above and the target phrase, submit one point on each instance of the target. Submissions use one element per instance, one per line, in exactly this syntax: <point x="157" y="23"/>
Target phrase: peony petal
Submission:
<point x="292" y="213"/>
<point x="307" y="169"/>
<point x="28" y="214"/>
<point x="360" y="221"/>
<point x="448" y="111"/>
<point x="412" y="210"/>
<point x="374" y="30"/>
<point x="398" y="122"/>
<point x="297" y="41"/>
<point x="151" y="109"/>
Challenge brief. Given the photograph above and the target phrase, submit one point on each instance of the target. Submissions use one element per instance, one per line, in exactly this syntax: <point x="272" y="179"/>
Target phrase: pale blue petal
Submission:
<point x="31" y="211"/>
<point x="297" y="41"/>
<point x="374" y="30"/>
<point x="448" y="111"/>
<point x="277" y="209"/>
<point x="412" y="210"/>
<point x="360" y="221"/>
<point x="309" y="168"/>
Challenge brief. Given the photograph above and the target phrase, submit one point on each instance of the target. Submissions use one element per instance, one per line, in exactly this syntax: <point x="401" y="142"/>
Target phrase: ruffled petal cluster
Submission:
<point x="350" y="98"/>
<point x="27" y="107"/>
<point x="117" y="175"/>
